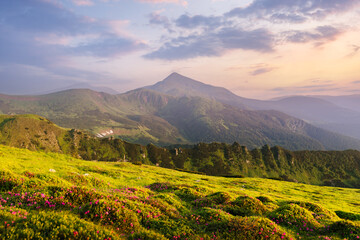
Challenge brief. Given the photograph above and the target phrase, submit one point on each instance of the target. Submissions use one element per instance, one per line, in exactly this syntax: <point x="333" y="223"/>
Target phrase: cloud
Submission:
<point x="108" y="46"/>
<point x="156" y="19"/>
<point x="355" y="51"/>
<point x="191" y="22"/>
<point x="321" y="33"/>
<point x="181" y="2"/>
<point x="186" y="48"/>
<point x="83" y="2"/>
<point x="262" y="70"/>
<point x="39" y="39"/>
<point x="295" y="11"/>
<point x="36" y="16"/>
<point x="307" y="89"/>
<point x="28" y="28"/>
<point x="202" y="35"/>
<point x="214" y="44"/>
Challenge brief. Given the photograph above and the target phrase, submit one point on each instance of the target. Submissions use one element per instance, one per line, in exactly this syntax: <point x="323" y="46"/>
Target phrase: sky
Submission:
<point x="255" y="48"/>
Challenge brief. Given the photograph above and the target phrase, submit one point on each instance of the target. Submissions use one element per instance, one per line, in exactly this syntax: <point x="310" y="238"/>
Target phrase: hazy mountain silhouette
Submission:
<point x="176" y="110"/>
<point x="335" y="113"/>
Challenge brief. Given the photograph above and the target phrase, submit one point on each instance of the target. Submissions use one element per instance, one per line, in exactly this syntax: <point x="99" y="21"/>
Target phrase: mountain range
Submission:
<point x="180" y="110"/>
<point x="339" y="114"/>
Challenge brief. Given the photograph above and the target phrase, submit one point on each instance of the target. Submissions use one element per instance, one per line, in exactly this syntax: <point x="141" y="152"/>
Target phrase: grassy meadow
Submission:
<point x="54" y="196"/>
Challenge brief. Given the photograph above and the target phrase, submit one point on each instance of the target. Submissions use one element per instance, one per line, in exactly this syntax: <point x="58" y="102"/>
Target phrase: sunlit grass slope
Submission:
<point x="54" y="196"/>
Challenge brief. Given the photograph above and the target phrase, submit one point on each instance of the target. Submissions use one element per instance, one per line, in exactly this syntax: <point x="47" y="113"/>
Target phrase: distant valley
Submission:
<point x="179" y="110"/>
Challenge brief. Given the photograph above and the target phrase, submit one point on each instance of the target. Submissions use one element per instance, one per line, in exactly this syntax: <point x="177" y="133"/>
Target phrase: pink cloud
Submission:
<point x="118" y="27"/>
<point x="83" y="2"/>
<point x="182" y="2"/>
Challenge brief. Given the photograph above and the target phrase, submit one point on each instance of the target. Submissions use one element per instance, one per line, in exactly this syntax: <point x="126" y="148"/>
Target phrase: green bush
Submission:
<point x="213" y="199"/>
<point x="170" y="199"/>
<point x="162" y="187"/>
<point x="246" y="206"/>
<point x="159" y="207"/>
<point x="348" y="216"/>
<point x="50" y="178"/>
<point x="171" y="228"/>
<point x="188" y="194"/>
<point x="255" y="228"/>
<point x="111" y="214"/>
<point x="9" y="181"/>
<point x="81" y="195"/>
<point x="145" y="234"/>
<point x="346" y="229"/>
<point x="209" y="218"/>
<point x="294" y="216"/>
<point x="52" y="225"/>
<point x="219" y="197"/>
<point x="265" y="199"/>
<point x="321" y="214"/>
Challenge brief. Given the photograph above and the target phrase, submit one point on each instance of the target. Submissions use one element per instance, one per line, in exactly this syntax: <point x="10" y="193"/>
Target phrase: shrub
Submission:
<point x="81" y="195"/>
<point x="188" y="194"/>
<point x="319" y="212"/>
<point x="213" y="200"/>
<point x="145" y="234"/>
<point x="160" y="207"/>
<point x="294" y="216"/>
<point x="170" y="199"/>
<point x="9" y="181"/>
<point x="209" y="218"/>
<point x="162" y="187"/>
<point x="246" y="206"/>
<point x="348" y="216"/>
<point x="218" y="197"/>
<point x="256" y="228"/>
<point x="111" y="213"/>
<point x="171" y="228"/>
<point x="52" y="225"/>
<point x="11" y="213"/>
<point x="265" y="199"/>
<point x="51" y="178"/>
<point x="346" y="229"/>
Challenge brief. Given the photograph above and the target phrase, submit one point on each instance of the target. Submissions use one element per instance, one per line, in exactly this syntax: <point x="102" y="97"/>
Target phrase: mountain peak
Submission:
<point x="176" y="78"/>
<point x="178" y="85"/>
<point x="175" y="74"/>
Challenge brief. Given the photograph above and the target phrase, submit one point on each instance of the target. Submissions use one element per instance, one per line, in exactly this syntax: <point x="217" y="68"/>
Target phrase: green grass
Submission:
<point x="55" y="196"/>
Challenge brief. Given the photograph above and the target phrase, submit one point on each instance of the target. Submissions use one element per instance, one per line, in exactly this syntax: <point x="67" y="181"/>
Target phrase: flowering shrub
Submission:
<point x="188" y="193"/>
<point x="162" y="187"/>
<point x="111" y="213"/>
<point x="208" y="219"/>
<point x="218" y="197"/>
<point x="246" y="206"/>
<point x="296" y="217"/>
<point x="145" y="234"/>
<point x="81" y="195"/>
<point x="346" y="229"/>
<point x="320" y="213"/>
<point x="53" y="225"/>
<point x="251" y="228"/>
<point x="8" y="181"/>
<point x="212" y="200"/>
<point x="171" y="228"/>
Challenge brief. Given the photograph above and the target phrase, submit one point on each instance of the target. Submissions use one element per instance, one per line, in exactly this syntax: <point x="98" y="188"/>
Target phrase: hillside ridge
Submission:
<point x="333" y="168"/>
